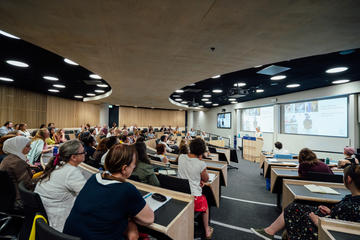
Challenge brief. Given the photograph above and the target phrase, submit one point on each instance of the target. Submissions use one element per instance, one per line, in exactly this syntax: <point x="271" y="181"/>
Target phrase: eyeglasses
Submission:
<point x="80" y="153"/>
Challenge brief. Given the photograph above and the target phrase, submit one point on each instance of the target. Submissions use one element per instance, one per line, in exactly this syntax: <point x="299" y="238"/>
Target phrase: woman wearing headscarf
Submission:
<point x="15" y="163"/>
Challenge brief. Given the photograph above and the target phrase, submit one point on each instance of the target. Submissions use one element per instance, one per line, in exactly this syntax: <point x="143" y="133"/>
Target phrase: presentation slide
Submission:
<point x="224" y="120"/>
<point x="262" y="117"/>
<point x="327" y="117"/>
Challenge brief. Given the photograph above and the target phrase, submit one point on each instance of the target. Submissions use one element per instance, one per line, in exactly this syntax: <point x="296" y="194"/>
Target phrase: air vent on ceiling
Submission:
<point x="236" y="93"/>
<point x="92" y="82"/>
<point x="273" y="70"/>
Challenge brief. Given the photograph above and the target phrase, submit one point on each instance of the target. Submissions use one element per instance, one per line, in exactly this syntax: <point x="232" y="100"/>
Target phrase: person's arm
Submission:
<point x="153" y="180"/>
<point x="165" y="159"/>
<point x="75" y="181"/>
<point x="204" y="176"/>
<point x="314" y="218"/>
<point x="145" y="216"/>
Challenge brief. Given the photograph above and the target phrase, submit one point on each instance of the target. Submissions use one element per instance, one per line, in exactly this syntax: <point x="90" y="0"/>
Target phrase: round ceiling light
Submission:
<point x="232" y="99"/>
<point x="59" y="86"/>
<point x="257" y="66"/>
<point x="70" y="62"/>
<point x="6" y="79"/>
<point x="216" y="76"/>
<point x="204" y="99"/>
<point x="191" y="85"/>
<point x="206" y="95"/>
<point x="17" y="63"/>
<point x="240" y="84"/>
<point x="53" y="90"/>
<point x="340" y="81"/>
<point x="94" y="76"/>
<point x="217" y="91"/>
<point x="50" y="78"/>
<point x="200" y="106"/>
<point x="259" y="90"/>
<point x="178" y="99"/>
<point x="294" y="85"/>
<point x="278" y="77"/>
<point x="337" y="70"/>
<point x="208" y="102"/>
<point x="215" y="104"/>
<point x="78" y="96"/>
<point x="102" y="85"/>
<point x="91" y="94"/>
<point x="184" y="102"/>
<point x="99" y="91"/>
<point x="8" y="35"/>
<point x="179" y="91"/>
<point x="234" y="102"/>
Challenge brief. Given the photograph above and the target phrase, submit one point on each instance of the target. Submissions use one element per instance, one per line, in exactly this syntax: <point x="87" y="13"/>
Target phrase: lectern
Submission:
<point x="252" y="148"/>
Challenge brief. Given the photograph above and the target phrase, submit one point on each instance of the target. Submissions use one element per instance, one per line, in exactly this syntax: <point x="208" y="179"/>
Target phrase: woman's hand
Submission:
<point x="314" y="218"/>
<point x="324" y="210"/>
<point x="132" y="231"/>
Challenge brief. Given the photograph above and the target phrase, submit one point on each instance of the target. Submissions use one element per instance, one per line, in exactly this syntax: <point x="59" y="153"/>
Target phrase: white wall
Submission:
<point x="104" y="114"/>
<point x="206" y="120"/>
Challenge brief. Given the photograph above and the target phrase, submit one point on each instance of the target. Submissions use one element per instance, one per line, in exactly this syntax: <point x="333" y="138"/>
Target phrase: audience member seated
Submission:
<point x="15" y="163"/>
<point x="59" y="136"/>
<point x="51" y="125"/>
<point x="111" y="142"/>
<point x="301" y="221"/>
<point x="279" y="149"/>
<point x="183" y="149"/>
<point x="107" y="206"/>
<point x="43" y="125"/>
<point x="192" y="168"/>
<point x="101" y="149"/>
<point x="308" y="162"/>
<point x="49" y="140"/>
<point x="38" y="146"/>
<point x="124" y="139"/>
<point x="192" y="133"/>
<point x="2" y="140"/>
<point x="61" y="182"/>
<point x="188" y="136"/>
<point x="144" y="170"/>
<point x="6" y="128"/>
<point x="23" y="130"/>
<point x="89" y="144"/>
<point x="164" y="140"/>
<point x="349" y="158"/>
<point x="160" y="153"/>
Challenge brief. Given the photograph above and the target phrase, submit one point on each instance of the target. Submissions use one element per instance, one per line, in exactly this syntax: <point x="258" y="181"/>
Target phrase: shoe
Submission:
<point x="260" y="232"/>
<point x="211" y="233"/>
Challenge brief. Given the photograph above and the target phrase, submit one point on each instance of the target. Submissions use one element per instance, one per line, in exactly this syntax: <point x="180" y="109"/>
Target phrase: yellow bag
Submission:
<point x="33" y="229"/>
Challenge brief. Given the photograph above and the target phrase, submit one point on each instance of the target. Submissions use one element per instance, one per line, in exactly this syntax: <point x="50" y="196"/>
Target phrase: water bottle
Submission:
<point x="327" y="160"/>
<point x="55" y="151"/>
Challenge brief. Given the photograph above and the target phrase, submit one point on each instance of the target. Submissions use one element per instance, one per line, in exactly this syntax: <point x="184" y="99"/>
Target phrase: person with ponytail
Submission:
<point x="301" y="221"/>
<point x="107" y="206"/>
<point x="61" y="182"/>
<point x="39" y="146"/>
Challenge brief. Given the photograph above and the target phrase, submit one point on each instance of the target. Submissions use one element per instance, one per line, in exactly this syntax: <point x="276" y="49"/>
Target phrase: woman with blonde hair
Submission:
<point x="39" y="146"/>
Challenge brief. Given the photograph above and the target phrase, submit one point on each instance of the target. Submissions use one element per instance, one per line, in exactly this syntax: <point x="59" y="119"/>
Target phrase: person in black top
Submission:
<point x="301" y="221"/>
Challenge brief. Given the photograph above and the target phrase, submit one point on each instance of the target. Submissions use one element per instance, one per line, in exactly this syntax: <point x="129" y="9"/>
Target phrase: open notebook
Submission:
<point x="321" y="189"/>
<point x="212" y="176"/>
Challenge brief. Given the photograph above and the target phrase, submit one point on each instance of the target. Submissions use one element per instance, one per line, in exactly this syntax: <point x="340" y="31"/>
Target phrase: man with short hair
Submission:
<point x="8" y="127"/>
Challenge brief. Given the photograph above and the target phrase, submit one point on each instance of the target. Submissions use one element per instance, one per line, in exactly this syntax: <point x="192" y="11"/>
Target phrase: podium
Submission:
<point x="252" y="148"/>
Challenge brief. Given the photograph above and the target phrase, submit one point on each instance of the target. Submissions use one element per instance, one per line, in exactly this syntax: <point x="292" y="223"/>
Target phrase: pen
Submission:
<point x="147" y="195"/>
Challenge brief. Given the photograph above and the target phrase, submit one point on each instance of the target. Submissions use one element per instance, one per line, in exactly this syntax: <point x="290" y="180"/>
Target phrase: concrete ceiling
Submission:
<point x="147" y="49"/>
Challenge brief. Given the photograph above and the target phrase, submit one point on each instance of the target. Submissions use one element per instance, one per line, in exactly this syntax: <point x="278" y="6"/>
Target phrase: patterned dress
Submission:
<point x="299" y="225"/>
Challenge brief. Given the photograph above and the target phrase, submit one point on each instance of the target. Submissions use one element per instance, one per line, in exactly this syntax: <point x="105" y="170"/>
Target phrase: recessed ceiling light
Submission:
<point x="294" y="85"/>
<point x="232" y="99"/>
<point x="217" y="91"/>
<point x="240" y="84"/>
<point x="257" y="66"/>
<point x="179" y="91"/>
<point x="191" y="85"/>
<point x="176" y="96"/>
<point x="204" y="99"/>
<point x="8" y="35"/>
<point x="215" y="104"/>
<point x="234" y="102"/>
<point x="53" y="90"/>
<point x="336" y="70"/>
<point x="59" y="86"/>
<point x="78" y="96"/>
<point x="178" y="99"/>
<point x="201" y="106"/>
<point x="17" y="63"/>
<point x="99" y="91"/>
<point x="91" y="94"/>
<point x="70" y="62"/>
<point x="94" y="76"/>
<point x="102" y="85"/>
<point x="340" y="81"/>
<point x="184" y="102"/>
<point x="6" y="79"/>
<point x="259" y="90"/>
<point x="50" y="78"/>
<point x="216" y="76"/>
<point x="278" y="77"/>
<point x="208" y="102"/>
<point x="110" y="106"/>
<point x="206" y="95"/>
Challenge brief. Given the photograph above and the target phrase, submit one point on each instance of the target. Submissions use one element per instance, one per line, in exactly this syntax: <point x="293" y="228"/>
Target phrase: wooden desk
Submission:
<point x="332" y="229"/>
<point x="218" y="166"/>
<point x="295" y="190"/>
<point x="219" y="143"/>
<point x="175" y="219"/>
<point x="226" y="152"/>
<point x="213" y="186"/>
<point x="277" y="162"/>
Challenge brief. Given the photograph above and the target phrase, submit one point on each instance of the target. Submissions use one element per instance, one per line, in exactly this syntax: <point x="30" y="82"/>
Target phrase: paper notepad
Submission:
<point x="154" y="204"/>
<point x="321" y="189"/>
<point x="168" y="172"/>
<point x="212" y="176"/>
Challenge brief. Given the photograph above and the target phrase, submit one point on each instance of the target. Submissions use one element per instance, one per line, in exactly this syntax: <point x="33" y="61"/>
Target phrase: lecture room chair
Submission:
<point x="45" y="232"/>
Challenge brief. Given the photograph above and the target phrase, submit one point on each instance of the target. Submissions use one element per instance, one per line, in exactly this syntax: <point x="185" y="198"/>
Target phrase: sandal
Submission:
<point x="211" y="233"/>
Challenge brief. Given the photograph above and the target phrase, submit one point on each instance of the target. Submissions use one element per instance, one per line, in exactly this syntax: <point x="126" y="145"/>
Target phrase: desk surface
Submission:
<point x="344" y="236"/>
<point x="333" y="229"/>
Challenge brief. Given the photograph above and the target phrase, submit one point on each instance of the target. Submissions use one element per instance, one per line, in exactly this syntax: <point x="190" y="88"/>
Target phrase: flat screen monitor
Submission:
<point x="224" y="120"/>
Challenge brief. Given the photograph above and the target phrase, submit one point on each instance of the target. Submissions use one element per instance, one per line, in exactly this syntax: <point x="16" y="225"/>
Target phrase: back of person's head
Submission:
<point x="51" y="125"/>
<point x="42" y="126"/>
<point x="41" y="134"/>
<point x="3" y="139"/>
<point x="183" y="149"/>
<point x="22" y="126"/>
<point x="307" y="156"/>
<point x="102" y="145"/>
<point x="197" y="147"/>
<point x="92" y="130"/>
<point x="349" y="151"/>
<point x="160" y="148"/>
<point x="7" y="123"/>
<point x="66" y="150"/>
<point x="111" y="142"/>
<point x="278" y="145"/>
<point x="120" y="155"/>
<point x="89" y="140"/>
<point x="162" y="138"/>
<point x="140" y="139"/>
<point x="141" y="151"/>
<point x="352" y="175"/>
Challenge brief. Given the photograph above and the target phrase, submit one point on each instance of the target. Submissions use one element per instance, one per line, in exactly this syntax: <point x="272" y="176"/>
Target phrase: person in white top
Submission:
<point x="279" y="149"/>
<point x="192" y="168"/>
<point x="163" y="140"/>
<point x="61" y="182"/>
<point x="258" y="133"/>
<point x="192" y="132"/>
<point x="23" y="130"/>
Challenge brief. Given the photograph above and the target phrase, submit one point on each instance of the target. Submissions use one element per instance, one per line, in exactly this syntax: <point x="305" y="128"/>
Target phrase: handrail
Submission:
<point x="227" y="140"/>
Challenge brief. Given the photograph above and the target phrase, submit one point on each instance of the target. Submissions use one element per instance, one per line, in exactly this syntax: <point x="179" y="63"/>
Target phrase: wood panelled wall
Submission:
<point x="144" y="117"/>
<point x="19" y="105"/>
